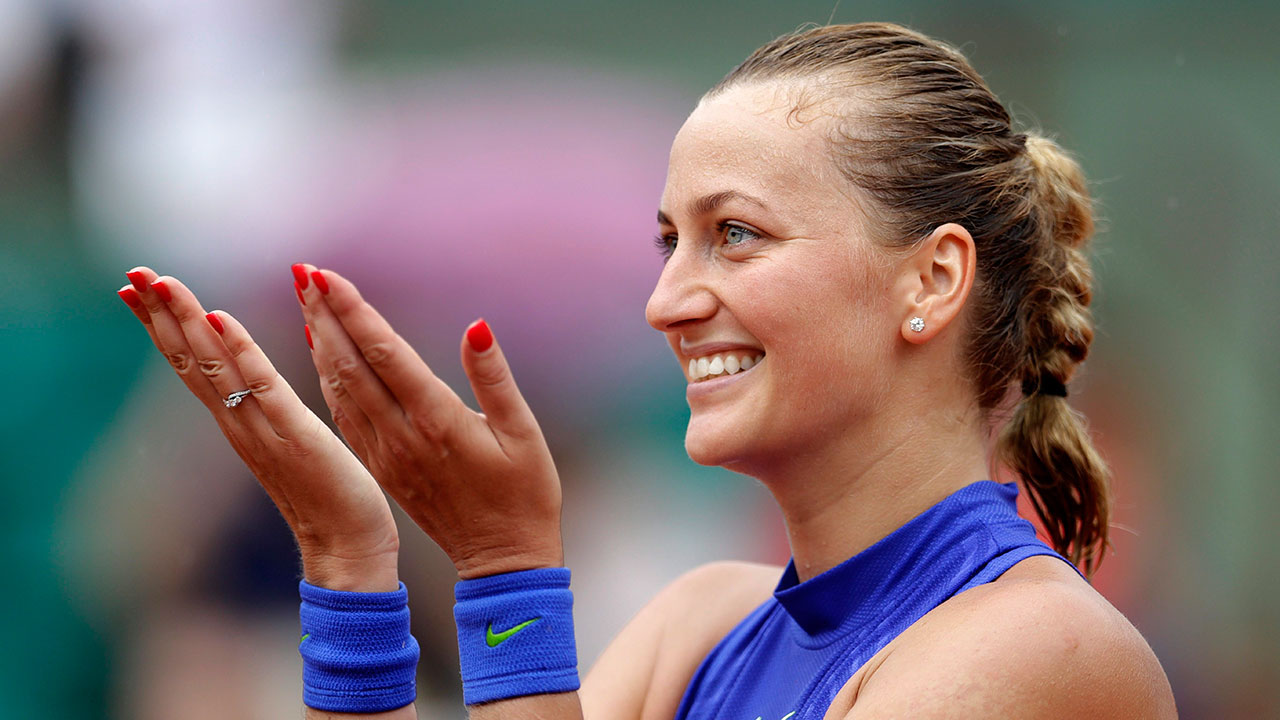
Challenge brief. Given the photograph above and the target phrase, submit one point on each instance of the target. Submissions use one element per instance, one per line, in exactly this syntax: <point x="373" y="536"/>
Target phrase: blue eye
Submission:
<point x="736" y="234"/>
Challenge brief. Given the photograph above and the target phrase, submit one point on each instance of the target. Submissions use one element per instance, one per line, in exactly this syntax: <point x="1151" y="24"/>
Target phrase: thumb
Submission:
<point x="491" y="381"/>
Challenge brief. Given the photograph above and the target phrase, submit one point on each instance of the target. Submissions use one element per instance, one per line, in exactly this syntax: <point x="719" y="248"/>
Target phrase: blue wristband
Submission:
<point x="515" y="635"/>
<point x="357" y="653"/>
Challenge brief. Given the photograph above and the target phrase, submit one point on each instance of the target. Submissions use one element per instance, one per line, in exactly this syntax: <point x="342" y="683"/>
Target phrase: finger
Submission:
<point x="140" y="283"/>
<point x="281" y="406"/>
<point x="210" y="371"/>
<point x="356" y="430"/>
<point x="493" y="384"/>
<point x="130" y="296"/>
<point x="169" y="339"/>
<point x="342" y="371"/>
<point x="211" y="355"/>
<point x="139" y="287"/>
<point x="300" y="280"/>
<point x="398" y="368"/>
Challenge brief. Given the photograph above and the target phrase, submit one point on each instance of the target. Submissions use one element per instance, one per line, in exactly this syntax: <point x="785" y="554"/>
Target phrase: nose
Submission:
<point x="682" y="295"/>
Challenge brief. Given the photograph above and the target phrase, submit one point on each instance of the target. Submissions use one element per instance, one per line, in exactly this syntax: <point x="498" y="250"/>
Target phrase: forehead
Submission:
<point x="749" y="139"/>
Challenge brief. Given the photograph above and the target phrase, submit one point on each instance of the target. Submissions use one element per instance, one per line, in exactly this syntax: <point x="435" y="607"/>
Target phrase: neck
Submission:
<point x="840" y="499"/>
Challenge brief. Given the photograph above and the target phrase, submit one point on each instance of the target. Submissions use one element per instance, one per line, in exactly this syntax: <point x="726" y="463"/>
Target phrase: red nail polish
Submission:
<point x="308" y="329"/>
<point x="479" y="336"/>
<point x="321" y="284"/>
<point x="216" y="322"/>
<point x="300" y="275"/>
<point x="299" y="291"/>
<point x="130" y="297"/>
<point x="162" y="290"/>
<point x="138" y="279"/>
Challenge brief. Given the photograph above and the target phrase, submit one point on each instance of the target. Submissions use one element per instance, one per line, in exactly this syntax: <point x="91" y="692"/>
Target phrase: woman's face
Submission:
<point x="771" y="265"/>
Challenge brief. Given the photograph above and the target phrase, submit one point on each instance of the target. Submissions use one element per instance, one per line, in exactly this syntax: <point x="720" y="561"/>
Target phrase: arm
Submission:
<point x="340" y="519"/>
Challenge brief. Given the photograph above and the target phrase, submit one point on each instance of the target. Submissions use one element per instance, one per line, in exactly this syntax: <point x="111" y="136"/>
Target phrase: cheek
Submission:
<point x="832" y="332"/>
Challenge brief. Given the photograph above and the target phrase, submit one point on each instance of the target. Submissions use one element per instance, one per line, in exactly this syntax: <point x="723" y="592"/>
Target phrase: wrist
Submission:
<point x="499" y="562"/>
<point x="515" y="635"/>
<point x="373" y="573"/>
<point x="358" y="654"/>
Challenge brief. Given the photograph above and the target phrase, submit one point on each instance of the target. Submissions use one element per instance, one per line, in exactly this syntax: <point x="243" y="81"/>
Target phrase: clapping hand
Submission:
<point x="481" y="484"/>
<point x="341" y="520"/>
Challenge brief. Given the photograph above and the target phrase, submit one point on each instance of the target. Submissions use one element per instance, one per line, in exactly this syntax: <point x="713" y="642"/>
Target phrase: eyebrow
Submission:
<point x="709" y="203"/>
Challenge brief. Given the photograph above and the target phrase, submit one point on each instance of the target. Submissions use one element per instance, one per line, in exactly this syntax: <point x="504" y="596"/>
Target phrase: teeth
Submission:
<point x="716" y="365"/>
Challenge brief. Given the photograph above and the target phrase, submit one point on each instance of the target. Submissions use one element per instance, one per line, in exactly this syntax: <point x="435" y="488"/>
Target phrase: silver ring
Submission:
<point x="235" y="398"/>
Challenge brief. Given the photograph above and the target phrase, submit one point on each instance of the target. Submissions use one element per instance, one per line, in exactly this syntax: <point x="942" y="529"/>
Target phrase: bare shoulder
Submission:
<point x="1037" y="643"/>
<point x="644" y="671"/>
<point x="719" y="592"/>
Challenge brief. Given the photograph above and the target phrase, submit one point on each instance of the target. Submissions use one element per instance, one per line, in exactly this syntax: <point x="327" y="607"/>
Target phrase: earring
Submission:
<point x="917" y="324"/>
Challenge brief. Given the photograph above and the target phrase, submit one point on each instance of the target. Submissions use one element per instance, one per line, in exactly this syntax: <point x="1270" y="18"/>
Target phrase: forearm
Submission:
<point x="558" y="706"/>
<point x="408" y="712"/>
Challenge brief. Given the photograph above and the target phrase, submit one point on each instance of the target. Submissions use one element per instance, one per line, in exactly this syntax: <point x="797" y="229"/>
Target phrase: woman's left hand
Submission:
<point x="482" y="485"/>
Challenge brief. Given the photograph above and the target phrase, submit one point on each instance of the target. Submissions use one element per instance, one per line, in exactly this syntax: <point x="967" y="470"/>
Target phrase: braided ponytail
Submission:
<point x="1045" y="442"/>
<point x="919" y="131"/>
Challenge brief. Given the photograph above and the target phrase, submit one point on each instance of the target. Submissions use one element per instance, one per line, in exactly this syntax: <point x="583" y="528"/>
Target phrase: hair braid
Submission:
<point x="1046" y="442"/>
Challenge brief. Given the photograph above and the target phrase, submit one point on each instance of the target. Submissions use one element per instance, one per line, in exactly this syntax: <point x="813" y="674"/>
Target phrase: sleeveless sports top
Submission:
<point x="789" y="657"/>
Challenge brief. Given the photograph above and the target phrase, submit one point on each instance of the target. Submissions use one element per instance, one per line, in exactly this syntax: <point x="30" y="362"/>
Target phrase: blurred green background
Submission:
<point x="505" y="160"/>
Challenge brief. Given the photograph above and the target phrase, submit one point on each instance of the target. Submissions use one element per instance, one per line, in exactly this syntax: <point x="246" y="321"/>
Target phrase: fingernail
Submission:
<point x="162" y="290"/>
<point x="479" y="336"/>
<point x="138" y="279"/>
<point x="308" y="329"/>
<point x="130" y="297"/>
<point x="300" y="275"/>
<point x="321" y="284"/>
<point x="216" y="322"/>
<point x="299" y="291"/>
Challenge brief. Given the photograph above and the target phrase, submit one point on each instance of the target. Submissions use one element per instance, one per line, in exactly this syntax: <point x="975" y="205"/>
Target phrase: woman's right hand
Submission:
<point x="482" y="485"/>
<point x="338" y="514"/>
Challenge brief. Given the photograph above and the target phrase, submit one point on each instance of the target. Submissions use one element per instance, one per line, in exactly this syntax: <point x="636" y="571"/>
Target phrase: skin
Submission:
<point x="810" y="288"/>
<point x="801" y="281"/>
<point x="346" y="535"/>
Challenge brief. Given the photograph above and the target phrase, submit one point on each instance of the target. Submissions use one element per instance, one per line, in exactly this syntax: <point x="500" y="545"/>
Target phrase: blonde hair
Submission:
<point x="922" y="135"/>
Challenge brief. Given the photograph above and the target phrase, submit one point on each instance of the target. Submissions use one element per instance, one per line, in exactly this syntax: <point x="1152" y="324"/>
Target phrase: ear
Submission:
<point x="936" y="280"/>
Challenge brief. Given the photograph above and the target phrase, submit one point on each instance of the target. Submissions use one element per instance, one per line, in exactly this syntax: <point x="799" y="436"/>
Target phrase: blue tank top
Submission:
<point x="789" y="657"/>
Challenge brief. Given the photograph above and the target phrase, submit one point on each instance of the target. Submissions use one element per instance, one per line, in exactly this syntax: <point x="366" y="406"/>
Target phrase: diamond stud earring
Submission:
<point x="917" y="324"/>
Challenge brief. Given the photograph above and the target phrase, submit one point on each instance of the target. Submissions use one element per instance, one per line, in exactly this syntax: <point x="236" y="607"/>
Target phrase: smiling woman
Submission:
<point x="868" y="270"/>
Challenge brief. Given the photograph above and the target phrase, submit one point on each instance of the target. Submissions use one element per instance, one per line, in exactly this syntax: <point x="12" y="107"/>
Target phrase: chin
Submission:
<point x="714" y="447"/>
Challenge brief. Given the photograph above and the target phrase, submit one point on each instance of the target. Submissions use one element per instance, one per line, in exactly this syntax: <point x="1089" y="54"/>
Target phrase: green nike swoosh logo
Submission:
<point x="493" y="639"/>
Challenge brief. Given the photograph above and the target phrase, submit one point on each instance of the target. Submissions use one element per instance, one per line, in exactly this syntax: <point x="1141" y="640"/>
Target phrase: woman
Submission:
<point x="867" y="269"/>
